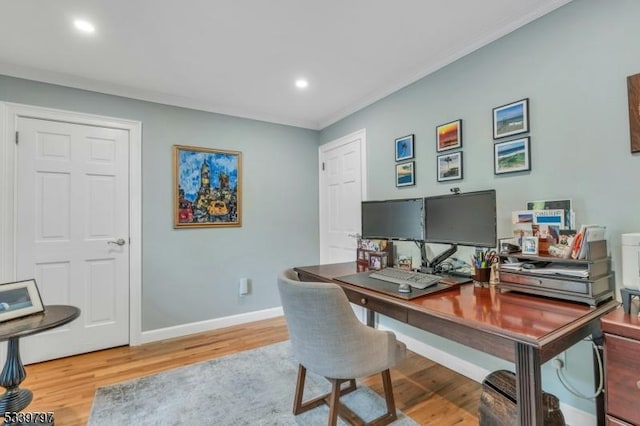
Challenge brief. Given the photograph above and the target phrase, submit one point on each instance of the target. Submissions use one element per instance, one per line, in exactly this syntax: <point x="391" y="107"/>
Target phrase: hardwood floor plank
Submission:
<point x="427" y="392"/>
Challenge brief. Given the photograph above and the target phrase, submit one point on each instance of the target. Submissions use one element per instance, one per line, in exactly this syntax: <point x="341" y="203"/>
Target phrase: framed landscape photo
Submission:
<point x="530" y="245"/>
<point x="511" y="119"/>
<point x="404" y="148"/>
<point x="19" y="299"/>
<point x="449" y="166"/>
<point x="512" y="156"/>
<point x="449" y="136"/>
<point x="633" y="91"/>
<point x="405" y="174"/>
<point x="207" y="187"/>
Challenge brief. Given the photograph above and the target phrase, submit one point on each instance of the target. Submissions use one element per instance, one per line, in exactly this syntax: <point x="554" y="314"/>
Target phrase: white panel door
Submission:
<point x="72" y="231"/>
<point x="341" y="189"/>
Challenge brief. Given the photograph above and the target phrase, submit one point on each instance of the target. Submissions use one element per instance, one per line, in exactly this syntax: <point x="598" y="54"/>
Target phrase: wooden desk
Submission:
<point x="526" y="330"/>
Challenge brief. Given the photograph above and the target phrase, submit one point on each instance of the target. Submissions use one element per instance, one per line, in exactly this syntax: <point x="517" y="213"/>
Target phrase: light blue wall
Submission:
<point x="572" y="64"/>
<point x="192" y="275"/>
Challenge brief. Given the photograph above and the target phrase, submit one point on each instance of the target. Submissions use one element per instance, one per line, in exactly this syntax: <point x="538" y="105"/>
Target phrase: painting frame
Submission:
<point x="511" y="119"/>
<point x="449" y="135"/>
<point x="405" y="147"/>
<point x="207" y="187"/>
<point x="19" y="299"/>
<point x="445" y="160"/>
<point x="405" y="174"/>
<point x="511" y="148"/>
<point x="633" y="92"/>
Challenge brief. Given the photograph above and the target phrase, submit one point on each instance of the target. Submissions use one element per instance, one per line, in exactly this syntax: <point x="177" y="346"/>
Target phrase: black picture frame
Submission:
<point x="449" y="166"/>
<point x="511" y="119"/>
<point x="449" y="136"/>
<point x="405" y="148"/>
<point x="512" y="156"/>
<point x="405" y="174"/>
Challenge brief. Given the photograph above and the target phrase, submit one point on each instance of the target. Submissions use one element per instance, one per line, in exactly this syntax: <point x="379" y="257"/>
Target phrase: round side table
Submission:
<point x="15" y="398"/>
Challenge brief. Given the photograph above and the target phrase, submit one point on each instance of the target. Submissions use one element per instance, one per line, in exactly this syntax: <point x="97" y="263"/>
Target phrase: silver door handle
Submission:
<point x="118" y="242"/>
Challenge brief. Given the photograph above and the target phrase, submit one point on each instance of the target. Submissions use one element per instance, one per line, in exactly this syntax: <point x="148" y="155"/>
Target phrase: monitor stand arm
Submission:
<point x="431" y="267"/>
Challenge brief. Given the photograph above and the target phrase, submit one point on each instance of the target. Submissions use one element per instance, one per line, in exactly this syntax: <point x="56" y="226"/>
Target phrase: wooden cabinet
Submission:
<point x="622" y="366"/>
<point x="596" y="288"/>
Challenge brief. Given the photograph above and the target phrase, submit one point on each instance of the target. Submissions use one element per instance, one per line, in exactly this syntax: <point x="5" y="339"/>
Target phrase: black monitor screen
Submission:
<point x="465" y="219"/>
<point x="393" y="219"/>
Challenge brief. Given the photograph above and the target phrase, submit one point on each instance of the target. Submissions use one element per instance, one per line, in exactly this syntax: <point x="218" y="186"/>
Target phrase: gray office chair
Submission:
<point x="328" y="340"/>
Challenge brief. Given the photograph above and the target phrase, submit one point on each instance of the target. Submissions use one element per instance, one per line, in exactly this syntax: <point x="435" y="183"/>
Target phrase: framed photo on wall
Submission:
<point x="19" y="299"/>
<point x="511" y="119"/>
<point x="405" y="174"/>
<point x="207" y="187"/>
<point x="449" y="166"/>
<point x="449" y="136"/>
<point x="512" y="156"/>
<point x="404" y="148"/>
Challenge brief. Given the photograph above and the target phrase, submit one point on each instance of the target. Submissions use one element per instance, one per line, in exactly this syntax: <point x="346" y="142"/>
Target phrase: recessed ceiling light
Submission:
<point x="301" y="83"/>
<point x="84" y="26"/>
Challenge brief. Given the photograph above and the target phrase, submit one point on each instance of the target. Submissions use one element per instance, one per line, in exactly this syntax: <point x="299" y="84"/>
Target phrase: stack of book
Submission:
<point x="587" y="234"/>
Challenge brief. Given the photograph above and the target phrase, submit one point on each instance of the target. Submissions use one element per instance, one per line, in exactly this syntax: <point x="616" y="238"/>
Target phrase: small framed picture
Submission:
<point x="405" y="174"/>
<point x="449" y="136"/>
<point x="19" y="299"/>
<point x="377" y="261"/>
<point x="512" y="156"/>
<point x="449" y="166"/>
<point x="530" y="245"/>
<point x="404" y="148"/>
<point x="511" y="119"/>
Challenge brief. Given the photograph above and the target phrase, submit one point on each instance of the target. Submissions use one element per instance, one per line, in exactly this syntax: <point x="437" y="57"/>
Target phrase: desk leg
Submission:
<point x="528" y="385"/>
<point x="371" y="318"/>
<point x="13" y="373"/>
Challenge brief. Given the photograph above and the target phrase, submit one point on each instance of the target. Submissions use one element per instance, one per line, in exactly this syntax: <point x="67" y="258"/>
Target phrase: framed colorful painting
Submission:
<point x="449" y="136"/>
<point x="512" y="156"/>
<point x="207" y="187"/>
<point x="449" y="166"/>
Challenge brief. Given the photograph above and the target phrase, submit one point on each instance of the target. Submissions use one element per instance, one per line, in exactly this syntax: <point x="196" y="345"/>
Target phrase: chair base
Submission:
<point x="332" y="399"/>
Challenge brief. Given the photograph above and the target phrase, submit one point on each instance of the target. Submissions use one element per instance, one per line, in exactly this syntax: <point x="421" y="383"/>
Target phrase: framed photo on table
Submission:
<point x="19" y="299"/>
<point x="511" y="119"/>
<point x="449" y="136"/>
<point x="530" y="245"/>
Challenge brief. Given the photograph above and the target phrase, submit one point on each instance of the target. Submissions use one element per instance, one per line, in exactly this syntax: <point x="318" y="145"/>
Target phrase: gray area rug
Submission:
<point x="249" y="388"/>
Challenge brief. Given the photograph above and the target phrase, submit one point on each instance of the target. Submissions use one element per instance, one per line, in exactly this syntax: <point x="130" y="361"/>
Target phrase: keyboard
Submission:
<point x="417" y="280"/>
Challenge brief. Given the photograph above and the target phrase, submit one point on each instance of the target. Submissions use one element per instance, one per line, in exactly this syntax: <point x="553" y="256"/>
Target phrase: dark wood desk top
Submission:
<point x="53" y="316"/>
<point x="532" y="320"/>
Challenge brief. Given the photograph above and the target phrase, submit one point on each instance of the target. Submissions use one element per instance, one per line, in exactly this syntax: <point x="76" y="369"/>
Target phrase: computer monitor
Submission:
<point x="401" y="219"/>
<point x="466" y="219"/>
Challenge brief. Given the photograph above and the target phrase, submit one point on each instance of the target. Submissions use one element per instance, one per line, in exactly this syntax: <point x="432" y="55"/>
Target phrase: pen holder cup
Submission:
<point x="482" y="275"/>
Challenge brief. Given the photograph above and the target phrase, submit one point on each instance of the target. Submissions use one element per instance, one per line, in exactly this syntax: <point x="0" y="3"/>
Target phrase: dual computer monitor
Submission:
<point x="467" y="219"/>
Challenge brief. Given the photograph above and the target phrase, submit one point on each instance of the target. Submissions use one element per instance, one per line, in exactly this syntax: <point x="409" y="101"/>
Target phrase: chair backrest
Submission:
<point x="322" y="325"/>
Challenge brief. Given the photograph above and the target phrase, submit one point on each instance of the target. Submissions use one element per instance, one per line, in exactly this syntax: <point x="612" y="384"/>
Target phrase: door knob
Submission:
<point x="118" y="242"/>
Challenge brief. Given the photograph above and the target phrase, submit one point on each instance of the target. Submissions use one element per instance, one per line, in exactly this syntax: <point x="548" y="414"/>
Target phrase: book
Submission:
<point x="586" y="234"/>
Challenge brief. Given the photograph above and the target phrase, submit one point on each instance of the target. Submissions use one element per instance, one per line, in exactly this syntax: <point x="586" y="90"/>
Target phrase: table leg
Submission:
<point x="13" y="373"/>
<point x="528" y="385"/>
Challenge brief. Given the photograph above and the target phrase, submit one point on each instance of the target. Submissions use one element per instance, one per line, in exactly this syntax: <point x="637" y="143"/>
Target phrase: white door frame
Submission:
<point x="358" y="134"/>
<point x="9" y="114"/>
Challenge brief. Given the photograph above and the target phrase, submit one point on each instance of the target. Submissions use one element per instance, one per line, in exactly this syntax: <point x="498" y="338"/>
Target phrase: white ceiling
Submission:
<point x="241" y="57"/>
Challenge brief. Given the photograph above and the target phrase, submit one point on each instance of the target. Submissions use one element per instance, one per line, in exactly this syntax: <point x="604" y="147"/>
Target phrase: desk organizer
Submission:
<point x="597" y="287"/>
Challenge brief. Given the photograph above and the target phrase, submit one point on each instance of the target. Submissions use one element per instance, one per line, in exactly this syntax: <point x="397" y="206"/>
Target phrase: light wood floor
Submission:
<point x="425" y="391"/>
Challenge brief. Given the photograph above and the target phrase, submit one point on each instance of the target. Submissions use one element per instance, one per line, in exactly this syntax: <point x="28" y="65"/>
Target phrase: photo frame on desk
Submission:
<point x="19" y="299"/>
<point x="530" y="245"/>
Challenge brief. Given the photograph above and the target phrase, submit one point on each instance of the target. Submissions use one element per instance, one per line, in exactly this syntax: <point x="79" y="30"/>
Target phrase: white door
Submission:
<point x="72" y="235"/>
<point x="342" y="186"/>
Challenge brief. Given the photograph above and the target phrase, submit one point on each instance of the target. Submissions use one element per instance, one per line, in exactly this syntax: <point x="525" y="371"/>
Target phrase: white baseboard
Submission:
<point x="572" y="415"/>
<point x="208" y="325"/>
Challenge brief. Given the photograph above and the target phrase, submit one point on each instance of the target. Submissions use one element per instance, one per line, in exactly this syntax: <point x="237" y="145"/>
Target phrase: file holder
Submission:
<point x="627" y="294"/>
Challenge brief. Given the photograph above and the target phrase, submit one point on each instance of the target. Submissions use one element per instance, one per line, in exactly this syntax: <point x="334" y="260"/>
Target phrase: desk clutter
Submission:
<point x="374" y="254"/>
